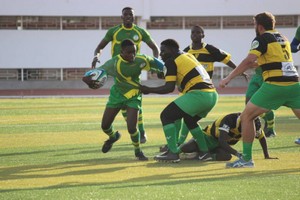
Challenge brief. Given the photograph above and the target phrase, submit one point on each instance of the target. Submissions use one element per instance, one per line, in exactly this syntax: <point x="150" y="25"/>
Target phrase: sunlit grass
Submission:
<point x="51" y="149"/>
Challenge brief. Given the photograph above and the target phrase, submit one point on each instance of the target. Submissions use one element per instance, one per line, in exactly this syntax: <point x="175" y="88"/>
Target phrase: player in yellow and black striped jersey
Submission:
<point x="271" y="51"/>
<point x="208" y="54"/>
<point x="221" y="135"/>
<point x="198" y="98"/>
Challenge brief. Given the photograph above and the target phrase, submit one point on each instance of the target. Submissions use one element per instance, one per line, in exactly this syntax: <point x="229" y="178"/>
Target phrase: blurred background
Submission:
<point x="49" y="44"/>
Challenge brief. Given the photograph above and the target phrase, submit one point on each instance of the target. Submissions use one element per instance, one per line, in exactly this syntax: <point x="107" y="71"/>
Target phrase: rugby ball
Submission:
<point x="99" y="76"/>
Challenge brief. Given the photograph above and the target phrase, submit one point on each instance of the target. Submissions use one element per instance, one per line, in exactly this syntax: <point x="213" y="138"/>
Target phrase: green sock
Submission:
<point x="178" y="124"/>
<point x="184" y="131"/>
<point x="141" y="121"/>
<point x="269" y="117"/>
<point x="135" y="138"/>
<point x="198" y="134"/>
<point x="247" y="151"/>
<point x="170" y="133"/>
<point x="110" y="132"/>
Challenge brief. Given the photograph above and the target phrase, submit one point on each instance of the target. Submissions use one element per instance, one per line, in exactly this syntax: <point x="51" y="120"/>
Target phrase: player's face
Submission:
<point x="197" y="34"/>
<point x="128" y="16"/>
<point x="128" y="53"/>
<point x="165" y="53"/>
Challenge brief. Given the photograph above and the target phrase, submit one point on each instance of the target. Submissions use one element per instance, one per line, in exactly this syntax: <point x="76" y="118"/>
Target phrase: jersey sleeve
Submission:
<point x="258" y="46"/>
<point x="109" y="34"/>
<point x="297" y="36"/>
<point x="218" y="54"/>
<point x="109" y="67"/>
<point x="171" y="73"/>
<point x="145" y="36"/>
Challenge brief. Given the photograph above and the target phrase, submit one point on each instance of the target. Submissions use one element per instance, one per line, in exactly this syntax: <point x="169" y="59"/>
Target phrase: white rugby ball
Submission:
<point x="98" y="75"/>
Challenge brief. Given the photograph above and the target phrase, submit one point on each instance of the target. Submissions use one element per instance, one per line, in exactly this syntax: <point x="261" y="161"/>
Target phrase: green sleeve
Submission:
<point x="145" y="35"/>
<point x="297" y="36"/>
<point x="109" y="67"/>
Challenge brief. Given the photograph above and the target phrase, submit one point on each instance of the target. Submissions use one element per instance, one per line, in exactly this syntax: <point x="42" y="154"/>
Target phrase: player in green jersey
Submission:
<point x="183" y="70"/>
<point x="115" y="35"/>
<point x="295" y="47"/>
<point x="126" y="68"/>
<point x="271" y="51"/>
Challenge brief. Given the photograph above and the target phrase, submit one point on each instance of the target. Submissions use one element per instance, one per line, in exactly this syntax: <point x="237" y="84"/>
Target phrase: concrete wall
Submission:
<point x="67" y="48"/>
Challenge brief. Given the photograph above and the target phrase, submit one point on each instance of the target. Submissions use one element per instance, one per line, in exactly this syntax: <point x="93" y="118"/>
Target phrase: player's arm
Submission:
<point x="247" y="63"/>
<point x="264" y="146"/>
<point x="295" y="47"/>
<point x="164" y="89"/>
<point x="233" y="66"/>
<point x="98" y="52"/>
<point x="223" y="137"/>
<point x="152" y="45"/>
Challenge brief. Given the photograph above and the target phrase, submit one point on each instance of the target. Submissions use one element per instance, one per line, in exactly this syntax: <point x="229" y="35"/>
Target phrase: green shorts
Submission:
<point x="118" y="100"/>
<point x="254" y="84"/>
<point x="211" y="142"/>
<point x="272" y="96"/>
<point x="197" y="102"/>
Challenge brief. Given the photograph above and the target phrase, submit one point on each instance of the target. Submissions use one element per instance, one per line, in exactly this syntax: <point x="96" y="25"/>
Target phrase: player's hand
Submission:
<point x="144" y="89"/>
<point x="268" y="157"/>
<point x="91" y="83"/>
<point x="95" y="61"/>
<point x="224" y="82"/>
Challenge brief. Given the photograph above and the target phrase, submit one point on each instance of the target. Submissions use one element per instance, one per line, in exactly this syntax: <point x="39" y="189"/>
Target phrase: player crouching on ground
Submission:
<point x="220" y="136"/>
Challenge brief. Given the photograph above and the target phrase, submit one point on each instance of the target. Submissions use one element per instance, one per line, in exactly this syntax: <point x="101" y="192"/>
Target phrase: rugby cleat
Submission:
<point x="240" y="163"/>
<point x="109" y="143"/>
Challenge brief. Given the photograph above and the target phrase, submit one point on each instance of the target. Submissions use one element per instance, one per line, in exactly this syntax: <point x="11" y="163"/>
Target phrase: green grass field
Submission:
<point x="51" y="149"/>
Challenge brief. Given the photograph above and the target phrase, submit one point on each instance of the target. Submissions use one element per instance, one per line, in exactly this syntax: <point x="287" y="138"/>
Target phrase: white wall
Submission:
<point x="61" y="49"/>
<point x="151" y="7"/>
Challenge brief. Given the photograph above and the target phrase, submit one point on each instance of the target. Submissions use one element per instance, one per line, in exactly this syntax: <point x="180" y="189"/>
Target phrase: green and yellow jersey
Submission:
<point x="207" y="55"/>
<point x="118" y="33"/>
<point x="188" y="73"/>
<point x="127" y="74"/>
<point x="274" y="58"/>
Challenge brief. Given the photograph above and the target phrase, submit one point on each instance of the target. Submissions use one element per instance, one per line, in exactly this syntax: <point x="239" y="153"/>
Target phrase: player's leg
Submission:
<point x="133" y="107"/>
<point x="107" y="127"/>
<point x="132" y="118"/>
<point x="220" y="154"/>
<point x="197" y="105"/>
<point x="143" y="136"/>
<point x="269" y="118"/>
<point x="141" y="126"/>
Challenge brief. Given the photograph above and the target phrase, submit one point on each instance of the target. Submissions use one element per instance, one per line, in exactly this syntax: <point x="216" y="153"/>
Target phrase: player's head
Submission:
<point x="128" y="50"/>
<point x="263" y="22"/>
<point x="197" y="34"/>
<point x="168" y="49"/>
<point x="127" y="16"/>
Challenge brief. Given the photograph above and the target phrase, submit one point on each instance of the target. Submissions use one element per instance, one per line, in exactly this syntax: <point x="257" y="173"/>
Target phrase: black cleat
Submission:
<point x="163" y="148"/>
<point x="205" y="156"/>
<point x="167" y="156"/>
<point x="109" y="143"/>
<point x="270" y="133"/>
<point x="140" y="156"/>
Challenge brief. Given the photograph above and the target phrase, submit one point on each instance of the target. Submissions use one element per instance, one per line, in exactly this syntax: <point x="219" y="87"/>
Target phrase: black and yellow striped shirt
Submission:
<point x="275" y="59"/>
<point x="207" y="55"/>
<point x="188" y="73"/>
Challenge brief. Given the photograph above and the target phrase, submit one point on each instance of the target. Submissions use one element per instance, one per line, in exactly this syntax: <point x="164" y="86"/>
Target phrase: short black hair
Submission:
<point x="126" y="43"/>
<point x="127" y="8"/>
<point x="171" y="43"/>
<point x="266" y="19"/>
